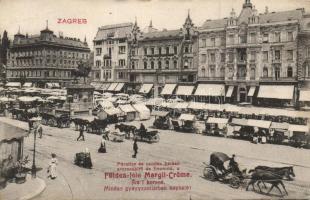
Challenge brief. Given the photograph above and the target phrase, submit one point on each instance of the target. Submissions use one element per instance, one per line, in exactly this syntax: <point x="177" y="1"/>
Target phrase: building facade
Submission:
<point x="45" y="58"/>
<point x="111" y="53"/>
<point x="251" y="53"/>
<point x="161" y="57"/>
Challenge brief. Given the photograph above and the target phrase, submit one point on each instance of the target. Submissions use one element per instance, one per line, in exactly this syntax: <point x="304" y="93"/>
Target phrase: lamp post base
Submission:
<point x="34" y="171"/>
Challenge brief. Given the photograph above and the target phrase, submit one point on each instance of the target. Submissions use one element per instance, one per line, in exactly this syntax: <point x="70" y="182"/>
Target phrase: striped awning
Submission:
<point x="229" y="91"/>
<point x="119" y="87"/>
<point x="112" y="87"/>
<point x="251" y="91"/>
<point x="146" y="88"/>
<point x="210" y="90"/>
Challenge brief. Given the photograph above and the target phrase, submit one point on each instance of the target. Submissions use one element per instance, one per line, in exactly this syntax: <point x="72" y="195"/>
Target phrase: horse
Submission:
<point x="126" y="128"/>
<point x="97" y="125"/>
<point x="259" y="175"/>
<point x="284" y="172"/>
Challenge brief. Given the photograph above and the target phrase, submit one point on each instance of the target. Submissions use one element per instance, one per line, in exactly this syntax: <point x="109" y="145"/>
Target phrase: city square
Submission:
<point x="216" y="107"/>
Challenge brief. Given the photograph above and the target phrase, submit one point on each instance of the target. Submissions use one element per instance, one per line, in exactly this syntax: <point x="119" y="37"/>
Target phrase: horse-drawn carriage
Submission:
<point x="187" y="123"/>
<point x="58" y="120"/>
<point x="216" y="126"/>
<point x="146" y="136"/>
<point x="216" y="170"/>
<point x="161" y="119"/>
<point x="117" y="136"/>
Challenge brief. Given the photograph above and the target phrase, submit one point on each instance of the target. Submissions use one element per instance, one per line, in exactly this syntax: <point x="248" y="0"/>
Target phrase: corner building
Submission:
<point x="250" y="58"/>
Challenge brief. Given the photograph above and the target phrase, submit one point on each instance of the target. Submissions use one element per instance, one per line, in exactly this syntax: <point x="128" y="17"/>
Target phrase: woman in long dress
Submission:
<point x="52" y="172"/>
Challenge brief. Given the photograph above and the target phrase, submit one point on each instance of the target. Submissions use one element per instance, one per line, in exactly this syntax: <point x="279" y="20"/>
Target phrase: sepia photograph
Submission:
<point x="154" y="99"/>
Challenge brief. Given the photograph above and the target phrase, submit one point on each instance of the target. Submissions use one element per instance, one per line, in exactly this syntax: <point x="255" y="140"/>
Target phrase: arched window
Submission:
<point x="159" y="64"/>
<point x="252" y="73"/>
<point x="145" y="65"/>
<point x="222" y="72"/>
<point x="175" y="64"/>
<point x="289" y="71"/>
<point x="265" y="72"/>
<point x="167" y="64"/>
<point x="152" y="64"/>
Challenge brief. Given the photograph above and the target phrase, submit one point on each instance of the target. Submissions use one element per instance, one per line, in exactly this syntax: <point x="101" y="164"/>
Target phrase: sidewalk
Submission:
<point x="28" y="190"/>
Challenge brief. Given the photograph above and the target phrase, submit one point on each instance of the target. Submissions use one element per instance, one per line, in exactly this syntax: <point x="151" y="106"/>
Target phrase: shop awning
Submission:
<point x="105" y="86"/>
<point x="85" y="117"/>
<point x="141" y="107"/>
<point x="197" y="105"/>
<point x="276" y="91"/>
<point x="229" y="91"/>
<point x="168" y="89"/>
<point x="259" y="123"/>
<point x="248" y="110"/>
<point x="13" y="84"/>
<point x="185" y="90"/>
<point x="214" y="120"/>
<point x="210" y="90"/>
<point x="277" y="125"/>
<point x="298" y="128"/>
<point x="231" y="108"/>
<point x="96" y="85"/>
<point x="146" y="88"/>
<point x="159" y="113"/>
<point x="187" y="117"/>
<point x="113" y="111"/>
<point x="251" y="91"/>
<point x="240" y="122"/>
<point x="218" y="107"/>
<point x="27" y="84"/>
<point x="9" y="132"/>
<point x="56" y="85"/>
<point x="304" y="95"/>
<point x="127" y="108"/>
<point x="119" y="87"/>
<point x="112" y="87"/>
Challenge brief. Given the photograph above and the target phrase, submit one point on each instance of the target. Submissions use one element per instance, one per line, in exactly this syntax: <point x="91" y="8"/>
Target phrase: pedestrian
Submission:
<point x="40" y="131"/>
<point x="102" y="148"/>
<point x="52" y="173"/>
<point x="81" y="134"/>
<point x="135" y="149"/>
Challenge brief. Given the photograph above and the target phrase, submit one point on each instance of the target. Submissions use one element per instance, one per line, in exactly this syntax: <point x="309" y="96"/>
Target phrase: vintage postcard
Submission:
<point x="154" y="99"/>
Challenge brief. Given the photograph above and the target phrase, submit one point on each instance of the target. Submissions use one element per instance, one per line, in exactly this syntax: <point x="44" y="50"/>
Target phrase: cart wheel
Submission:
<point x="209" y="174"/>
<point x="234" y="182"/>
<point x="156" y="138"/>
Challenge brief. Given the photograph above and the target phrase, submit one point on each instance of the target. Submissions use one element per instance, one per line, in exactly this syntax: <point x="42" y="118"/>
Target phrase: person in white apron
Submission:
<point x="52" y="172"/>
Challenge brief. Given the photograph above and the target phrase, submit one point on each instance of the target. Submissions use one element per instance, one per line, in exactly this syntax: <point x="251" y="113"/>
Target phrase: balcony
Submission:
<point x="276" y="61"/>
<point x="211" y="78"/>
<point x="278" y="79"/>
<point x="162" y="70"/>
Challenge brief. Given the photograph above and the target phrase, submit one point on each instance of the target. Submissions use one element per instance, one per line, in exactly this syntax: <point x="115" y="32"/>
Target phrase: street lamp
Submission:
<point x="35" y="126"/>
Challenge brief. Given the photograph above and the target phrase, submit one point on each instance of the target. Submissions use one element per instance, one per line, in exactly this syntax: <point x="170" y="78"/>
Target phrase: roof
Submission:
<point x="127" y="108"/>
<point x="56" y="40"/>
<point x="113" y="31"/>
<point x="263" y="18"/>
<point x="187" y="117"/>
<point x="9" y="132"/>
<point x="159" y="113"/>
<point x="161" y="34"/>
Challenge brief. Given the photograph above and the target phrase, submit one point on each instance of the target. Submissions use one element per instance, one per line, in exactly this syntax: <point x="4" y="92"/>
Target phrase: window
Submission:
<point x="132" y="65"/>
<point x="242" y="39"/>
<point x="203" y="58"/>
<point x="152" y="65"/>
<point x="223" y="41"/>
<point x="289" y="36"/>
<point x="123" y="40"/>
<point x="159" y="50"/>
<point x="289" y="54"/>
<point x="122" y="50"/>
<point x="175" y="64"/>
<point x="212" y="71"/>
<point x="121" y="62"/>
<point x="97" y="75"/>
<point x="277" y="55"/>
<point x="265" y="72"/>
<point x="175" y="50"/>
<point x="152" y="51"/>
<point x="145" y="51"/>
<point x="159" y="64"/>
<point x="253" y="56"/>
<point x="277" y="37"/>
<point x="230" y="57"/>
<point x="98" y="52"/>
<point x="265" y="55"/>
<point x="277" y="73"/>
<point x="231" y="39"/>
<point x="133" y="52"/>
<point x="167" y="50"/>
<point x="121" y="75"/>
<point x="308" y="52"/>
<point x="252" y="37"/>
<point x="203" y="42"/>
<point x="223" y="57"/>
<point x="222" y="72"/>
<point x="186" y="49"/>
<point x="290" y="72"/>
<point x="265" y="38"/>
<point x="109" y="50"/>
<point x="145" y="65"/>
<point x="212" y="42"/>
<point x="252" y="73"/>
<point x="186" y="64"/>
<point x="212" y="57"/>
<point x="167" y="64"/>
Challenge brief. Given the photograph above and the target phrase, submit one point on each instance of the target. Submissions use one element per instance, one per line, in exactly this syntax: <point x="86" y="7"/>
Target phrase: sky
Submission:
<point x="31" y="15"/>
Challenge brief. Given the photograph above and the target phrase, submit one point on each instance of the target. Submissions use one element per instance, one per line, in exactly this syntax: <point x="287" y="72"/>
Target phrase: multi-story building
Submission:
<point x="4" y="46"/>
<point x="111" y="54"/>
<point x="45" y="58"/>
<point x="251" y="57"/>
<point x="163" y="57"/>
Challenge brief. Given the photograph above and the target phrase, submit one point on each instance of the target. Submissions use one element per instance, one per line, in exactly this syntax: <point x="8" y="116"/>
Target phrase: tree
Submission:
<point x="82" y="70"/>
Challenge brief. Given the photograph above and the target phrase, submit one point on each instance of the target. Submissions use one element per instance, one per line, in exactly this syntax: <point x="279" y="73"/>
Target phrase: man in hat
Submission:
<point x="81" y="134"/>
<point x="135" y="149"/>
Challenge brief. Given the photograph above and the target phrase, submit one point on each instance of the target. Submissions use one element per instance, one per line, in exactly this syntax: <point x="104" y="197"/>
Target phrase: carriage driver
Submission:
<point x="142" y="129"/>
